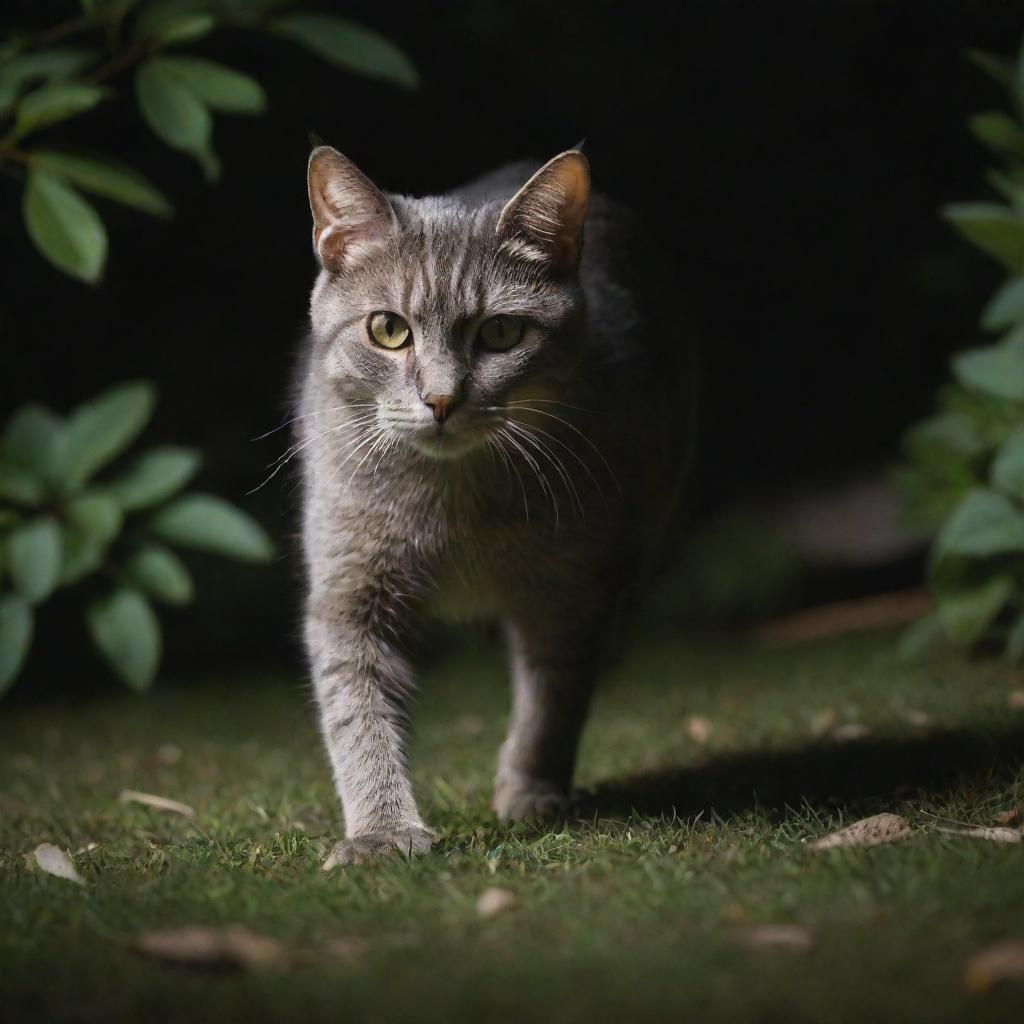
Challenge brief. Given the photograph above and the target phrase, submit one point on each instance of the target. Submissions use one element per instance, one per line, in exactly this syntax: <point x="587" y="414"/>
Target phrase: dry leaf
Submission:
<point x="698" y="728"/>
<point x="199" y="946"/>
<point x="158" y="803"/>
<point x="881" y="828"/>
<point x="1000" y="962"/>
<point x="878" y="612"/>
<point x="995" y="835"/>
<point x="495" y="901"/>
<point x="776" y="936"/>
<point x="850" y="731"/>
<point x="1016" y="700"/>
<point x="920" y="719"/>
<point x="54" y="861"/>
<point x="1010" y="817"/>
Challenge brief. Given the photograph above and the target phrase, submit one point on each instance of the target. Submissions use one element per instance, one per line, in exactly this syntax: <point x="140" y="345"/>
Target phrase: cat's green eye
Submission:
<point x="500" y="333"/>
<point x="388" y="330"/>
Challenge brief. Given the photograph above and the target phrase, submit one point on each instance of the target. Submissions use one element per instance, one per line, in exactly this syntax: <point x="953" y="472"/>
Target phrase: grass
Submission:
<point x="637" y="913"/>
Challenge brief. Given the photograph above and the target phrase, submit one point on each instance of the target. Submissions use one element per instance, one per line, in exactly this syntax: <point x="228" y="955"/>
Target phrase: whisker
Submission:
<point x="555" y="461"/>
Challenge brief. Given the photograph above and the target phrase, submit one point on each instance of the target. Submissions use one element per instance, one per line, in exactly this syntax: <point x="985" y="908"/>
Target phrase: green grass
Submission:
<point x="637" y="913"/>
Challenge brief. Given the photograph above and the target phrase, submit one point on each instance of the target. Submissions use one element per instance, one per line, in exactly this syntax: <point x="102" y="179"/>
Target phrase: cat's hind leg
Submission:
<point x="553" y="666"/>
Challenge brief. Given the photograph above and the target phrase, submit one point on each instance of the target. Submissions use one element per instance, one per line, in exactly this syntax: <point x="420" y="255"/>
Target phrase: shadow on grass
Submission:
<point x="856" y="774"/>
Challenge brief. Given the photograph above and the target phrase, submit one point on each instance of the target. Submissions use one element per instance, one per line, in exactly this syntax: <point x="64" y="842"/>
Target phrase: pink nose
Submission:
<point x="441" y="405"/>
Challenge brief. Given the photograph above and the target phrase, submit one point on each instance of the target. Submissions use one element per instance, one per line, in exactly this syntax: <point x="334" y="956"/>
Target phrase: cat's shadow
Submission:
<point x="862" y="776"/>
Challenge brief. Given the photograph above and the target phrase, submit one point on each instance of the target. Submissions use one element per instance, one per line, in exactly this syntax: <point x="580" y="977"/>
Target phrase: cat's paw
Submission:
<point x="525" y="799"/>
<point x="372" y="846"/>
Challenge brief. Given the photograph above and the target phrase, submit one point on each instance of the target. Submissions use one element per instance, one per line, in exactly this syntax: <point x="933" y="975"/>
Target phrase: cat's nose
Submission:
<point x="441" y="405"/>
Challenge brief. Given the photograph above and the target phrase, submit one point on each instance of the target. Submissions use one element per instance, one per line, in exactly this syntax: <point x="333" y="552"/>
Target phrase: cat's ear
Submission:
<point x="544" y="219"/>
<point x="350" y="214"/>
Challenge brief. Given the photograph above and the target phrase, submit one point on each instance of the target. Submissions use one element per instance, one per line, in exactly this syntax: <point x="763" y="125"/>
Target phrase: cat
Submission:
<point x="493" y="420"/>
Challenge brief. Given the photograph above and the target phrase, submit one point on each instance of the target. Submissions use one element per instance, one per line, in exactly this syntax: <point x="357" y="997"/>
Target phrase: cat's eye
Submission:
<point x="500" y="333"/>
<point x="388" y="330"/>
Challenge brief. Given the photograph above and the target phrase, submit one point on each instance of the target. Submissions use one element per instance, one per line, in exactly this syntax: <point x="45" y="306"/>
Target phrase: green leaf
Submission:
<point x="920" y="637"/>
<point x="997" y="230"/>
<point x="127" y="634"/>
<point x="939" y="435"/>
<point x="97" y="515"/>
<point x="99" y="430"/>
<point x="349" y="46"/>
<point x="175" y="113"/>
<point x="996" y="370"/>
<point x="15" y="637"/>
<point x="1009" y="184"/>
<point x="17" y="73"/>
<point x="967" y="614"/>
<point x="1007" y="473"/>
<point x="998" y="131"/>
<point x="19" y="485"/>
<point x="54" y="102"/>
<point x="34" y="557"/>
<point x="984" y="523"/>
<point x="34" y="437"/>
<point x="1006" y="307"/>
<point x="219" y="87"/>
<point x="1015" y="641"/>
<point x="105" y="178"/>
<point x="159" y="572"/>
<point x="207" y="523"/>
<point x="64" y="227"/>
<point x="82" y="555"/>
<point x="154" y="477"/>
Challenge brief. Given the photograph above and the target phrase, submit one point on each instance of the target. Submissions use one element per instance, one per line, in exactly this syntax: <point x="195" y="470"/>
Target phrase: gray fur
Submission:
<point x="535" y="503"/>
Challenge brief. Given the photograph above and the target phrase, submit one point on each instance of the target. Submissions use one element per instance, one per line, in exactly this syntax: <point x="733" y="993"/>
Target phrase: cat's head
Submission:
<point x="433" y="317"/>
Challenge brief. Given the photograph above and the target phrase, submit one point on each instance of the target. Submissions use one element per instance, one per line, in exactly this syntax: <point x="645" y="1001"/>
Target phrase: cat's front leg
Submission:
<point x="361" y="681"/>
<point x="553" y="666"/>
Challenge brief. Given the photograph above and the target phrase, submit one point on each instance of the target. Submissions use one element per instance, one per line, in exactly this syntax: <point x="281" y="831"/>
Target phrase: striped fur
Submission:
<point x="534" y="503"/>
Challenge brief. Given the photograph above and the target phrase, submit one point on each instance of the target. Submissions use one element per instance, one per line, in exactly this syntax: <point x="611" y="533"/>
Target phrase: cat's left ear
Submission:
<point x="546" y="215"/>
<point x="351" y="216"/>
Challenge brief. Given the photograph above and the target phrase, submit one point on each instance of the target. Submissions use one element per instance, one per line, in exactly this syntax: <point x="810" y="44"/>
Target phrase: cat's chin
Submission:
<point x="446" y="446"/>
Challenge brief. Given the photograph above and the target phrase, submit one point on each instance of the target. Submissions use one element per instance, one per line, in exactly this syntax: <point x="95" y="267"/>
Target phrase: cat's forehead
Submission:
<point x="443" y="256"/>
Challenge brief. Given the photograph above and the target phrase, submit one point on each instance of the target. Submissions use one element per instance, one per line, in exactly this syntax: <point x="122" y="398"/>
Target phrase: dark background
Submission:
<point x="791" y="157"/>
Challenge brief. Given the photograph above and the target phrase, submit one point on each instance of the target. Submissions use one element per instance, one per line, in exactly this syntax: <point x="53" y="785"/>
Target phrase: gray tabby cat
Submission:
<point x="491" y="423"/>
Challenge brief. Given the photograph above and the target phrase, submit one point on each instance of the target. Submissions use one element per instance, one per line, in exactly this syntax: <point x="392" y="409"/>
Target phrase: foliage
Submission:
<point x="60" y="526"/>
<point x="965" y="478"/>
<point x="115" y="47"/>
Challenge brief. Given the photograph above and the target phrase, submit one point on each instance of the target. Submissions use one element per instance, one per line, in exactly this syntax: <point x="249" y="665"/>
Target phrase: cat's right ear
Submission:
<point x="351" y="216"/>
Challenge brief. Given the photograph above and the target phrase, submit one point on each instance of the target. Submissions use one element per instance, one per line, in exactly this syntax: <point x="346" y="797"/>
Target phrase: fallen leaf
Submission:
<point x="879" y="612"/>
<point x="995" y="835"/>
<point x="881" y="828"/>
<point x="199" y="946"/>
<point x="158" y="803"/>
<point x="495" y="901"/>
<point x="1016" y="700"/>
<point x="54" y="861"/>
<point x="920" y="719"/>
<point x="1010" y="817"/>
<point x="698" y="728"/>
<point x="1001" y="962"/>
<point x="849" y="732"/>
<point x="776" y="936"/>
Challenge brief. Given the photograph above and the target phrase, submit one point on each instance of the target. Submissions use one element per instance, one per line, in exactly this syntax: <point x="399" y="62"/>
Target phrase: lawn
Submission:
<point x="711" y="762"/>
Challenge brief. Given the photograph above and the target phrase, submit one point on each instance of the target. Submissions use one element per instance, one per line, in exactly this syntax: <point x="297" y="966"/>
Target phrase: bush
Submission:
<point x="116" y="48"/>
<point x="965" y="478"/>
<point x="61" y="526"/>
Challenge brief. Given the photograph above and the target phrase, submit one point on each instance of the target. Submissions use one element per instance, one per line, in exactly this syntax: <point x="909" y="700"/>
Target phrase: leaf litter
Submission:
<point x="158" y="803"/>
<point x="54" y="861"/>
<point x="873" y="831"/>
